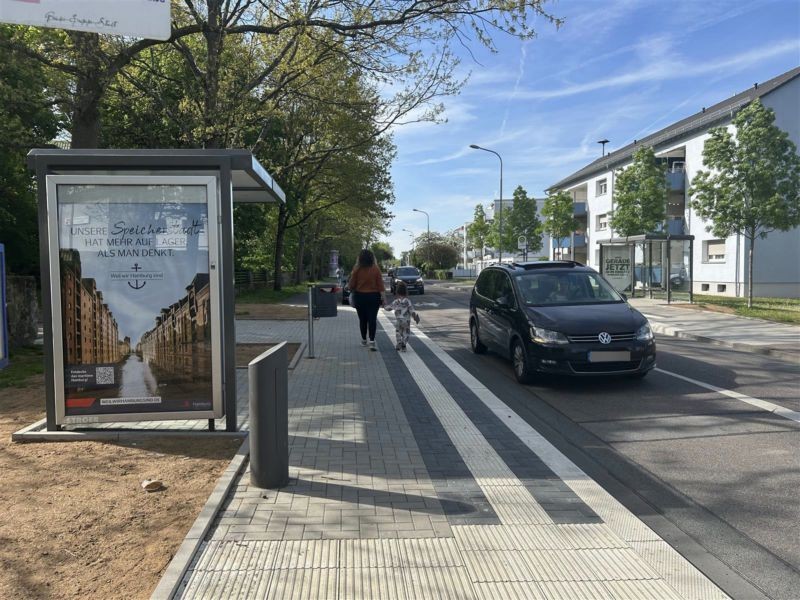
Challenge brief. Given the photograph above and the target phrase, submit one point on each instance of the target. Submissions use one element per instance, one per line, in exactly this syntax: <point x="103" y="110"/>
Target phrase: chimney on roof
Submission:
<point x="755" y="86"/>
<point x="704" y="109"/>
<point x="634" y="142"/>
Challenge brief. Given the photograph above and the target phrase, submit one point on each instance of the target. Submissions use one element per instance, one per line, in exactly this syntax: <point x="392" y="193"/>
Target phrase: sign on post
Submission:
<point x="135" y="296"/>
<point x="522" y="242"/>
<point x="135" y="18"/>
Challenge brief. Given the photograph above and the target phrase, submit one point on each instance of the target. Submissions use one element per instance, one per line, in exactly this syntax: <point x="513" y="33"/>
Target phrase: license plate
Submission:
<point x="601" y="357"/>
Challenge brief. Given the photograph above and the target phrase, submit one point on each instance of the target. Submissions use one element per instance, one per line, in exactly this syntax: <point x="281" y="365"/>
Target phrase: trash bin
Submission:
<point x="324" y="301"/>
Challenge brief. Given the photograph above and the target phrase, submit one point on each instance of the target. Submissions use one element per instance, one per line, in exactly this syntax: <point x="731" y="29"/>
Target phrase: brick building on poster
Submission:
<point x="180" y="342"/>
<point x="91" y="333"/>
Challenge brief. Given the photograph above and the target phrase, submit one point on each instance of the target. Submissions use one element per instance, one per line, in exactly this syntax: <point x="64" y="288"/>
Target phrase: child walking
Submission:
<point x="403" y="312"/>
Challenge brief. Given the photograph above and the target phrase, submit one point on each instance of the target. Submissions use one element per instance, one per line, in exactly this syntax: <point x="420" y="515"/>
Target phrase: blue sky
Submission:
<point x="617" y="69"/>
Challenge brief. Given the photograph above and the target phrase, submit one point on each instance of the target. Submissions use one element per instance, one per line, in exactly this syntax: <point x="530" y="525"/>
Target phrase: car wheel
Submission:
<point x="475" y="341"/>
<point x="640" y="375"/>
<point x="519" y="360"/>
<point x="421" y="291"/>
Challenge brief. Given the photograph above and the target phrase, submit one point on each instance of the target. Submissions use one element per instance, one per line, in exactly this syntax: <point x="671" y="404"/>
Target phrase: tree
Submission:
<point x="640" y="195"/>
<point x="26" y="121"/>
<point x="383" y="252"/>
<point x="559" y="215"/>
<point x="478" y="230"/>
<point x="406" y="46"/>
<point x="507" y="242"/>
<point x="753" y="187"/>
<point x="524" y="221"/>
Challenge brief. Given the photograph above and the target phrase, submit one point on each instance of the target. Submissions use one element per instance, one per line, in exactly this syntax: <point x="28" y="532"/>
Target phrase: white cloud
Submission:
<point x="666" y="70"/>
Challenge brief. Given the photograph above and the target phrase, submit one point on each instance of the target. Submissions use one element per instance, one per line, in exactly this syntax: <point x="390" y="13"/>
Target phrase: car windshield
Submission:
<point x="568" y="287"/>
<point x="407" y="272"/>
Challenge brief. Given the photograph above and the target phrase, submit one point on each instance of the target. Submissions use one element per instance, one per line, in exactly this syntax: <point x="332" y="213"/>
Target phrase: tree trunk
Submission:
<point x="299" y="269"/>
<point x="280" y="240"/>
<point x="214" y="41"/>
<point x="750" y="272"/>
<point x="89" y="89"/>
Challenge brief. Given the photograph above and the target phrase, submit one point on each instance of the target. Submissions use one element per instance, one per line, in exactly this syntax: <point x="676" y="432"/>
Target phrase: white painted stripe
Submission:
<point x="616" y="517"/>
<point x="771" y="407"/>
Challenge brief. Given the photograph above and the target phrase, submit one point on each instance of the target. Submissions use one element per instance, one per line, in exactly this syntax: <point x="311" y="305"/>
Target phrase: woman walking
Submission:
<point x="367" y="289"/>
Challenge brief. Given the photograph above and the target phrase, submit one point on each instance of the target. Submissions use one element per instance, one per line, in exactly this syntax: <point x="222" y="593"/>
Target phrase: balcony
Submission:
<point x="676" y="176"/>
<point x="579" y="209"/>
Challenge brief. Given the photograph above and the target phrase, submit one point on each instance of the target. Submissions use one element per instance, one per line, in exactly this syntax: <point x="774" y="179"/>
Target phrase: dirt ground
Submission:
<point x="75" y="520"/>
<point x="277" y="312"/>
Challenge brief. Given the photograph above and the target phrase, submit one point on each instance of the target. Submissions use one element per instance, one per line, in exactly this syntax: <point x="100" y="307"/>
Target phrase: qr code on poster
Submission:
<point x="104" y="375"/>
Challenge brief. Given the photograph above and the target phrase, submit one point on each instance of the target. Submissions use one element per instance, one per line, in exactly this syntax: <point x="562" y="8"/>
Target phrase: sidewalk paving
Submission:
<point x="781" y="340"/>
<point x="410" y="479"/>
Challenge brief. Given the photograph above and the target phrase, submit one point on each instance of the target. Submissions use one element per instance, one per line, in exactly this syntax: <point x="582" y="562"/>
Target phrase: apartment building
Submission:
<point x="719" y="266"/>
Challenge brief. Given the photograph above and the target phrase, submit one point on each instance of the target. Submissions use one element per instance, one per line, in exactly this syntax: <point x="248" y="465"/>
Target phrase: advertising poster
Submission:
<point x="617" y="267"/>
<point x="135" y="298"/>
<point x="138" y="18"/>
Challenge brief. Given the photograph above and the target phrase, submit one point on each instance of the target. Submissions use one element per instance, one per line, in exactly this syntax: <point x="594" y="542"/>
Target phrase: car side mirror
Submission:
<point x="504" y="301"/>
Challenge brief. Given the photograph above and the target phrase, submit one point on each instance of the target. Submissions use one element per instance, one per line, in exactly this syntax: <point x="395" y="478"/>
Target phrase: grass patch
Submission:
<point x="780" y="310"/>
<point x="23" y="363"/>
<point x="266" y="295"/>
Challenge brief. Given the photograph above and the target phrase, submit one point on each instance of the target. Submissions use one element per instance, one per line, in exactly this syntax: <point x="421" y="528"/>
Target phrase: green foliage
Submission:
<point x="753" y="185"/>
<point x="559" y="215"/>
<point x="23" y="363"/>
<point x="26" y="121"/>
<point x="640" y="195"/>
<point x="478" y="231"/>
<point x="781" y="310"/>
<point x="435" y="251"/>
<point x="383" y="252"/>
<point x="523" y="220"/>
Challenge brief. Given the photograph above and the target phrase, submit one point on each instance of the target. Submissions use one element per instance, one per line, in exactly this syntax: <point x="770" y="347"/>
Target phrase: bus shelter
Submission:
<point x="136" y="251"/>
<point x="651" y="265"/>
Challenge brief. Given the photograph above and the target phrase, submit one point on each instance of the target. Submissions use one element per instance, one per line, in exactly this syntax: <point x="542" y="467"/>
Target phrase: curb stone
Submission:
<point x="176" y="569"/>
<point x="740" y="346"/>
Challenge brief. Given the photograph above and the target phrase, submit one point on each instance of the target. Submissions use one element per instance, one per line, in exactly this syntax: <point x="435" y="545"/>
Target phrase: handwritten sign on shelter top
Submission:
<point x="135" y="18"/>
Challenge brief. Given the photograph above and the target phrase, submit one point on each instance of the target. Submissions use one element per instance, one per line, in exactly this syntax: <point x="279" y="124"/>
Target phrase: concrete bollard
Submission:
<point x="269" y="418"/>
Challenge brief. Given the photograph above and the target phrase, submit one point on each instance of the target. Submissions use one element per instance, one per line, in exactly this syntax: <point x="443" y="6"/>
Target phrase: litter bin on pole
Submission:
<point x="269" y="418"/>
<point x="321" y="303"/>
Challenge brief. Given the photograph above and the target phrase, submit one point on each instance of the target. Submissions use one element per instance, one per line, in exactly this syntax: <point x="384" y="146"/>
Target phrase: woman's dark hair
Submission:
<point x="366" y="258"/>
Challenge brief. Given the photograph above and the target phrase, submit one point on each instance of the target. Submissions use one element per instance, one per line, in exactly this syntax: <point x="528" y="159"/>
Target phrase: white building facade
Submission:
<point x="719" y="265"/>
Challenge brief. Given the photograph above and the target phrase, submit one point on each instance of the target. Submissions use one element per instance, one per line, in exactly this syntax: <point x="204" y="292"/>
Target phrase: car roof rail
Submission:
<point x="547" y="264"/>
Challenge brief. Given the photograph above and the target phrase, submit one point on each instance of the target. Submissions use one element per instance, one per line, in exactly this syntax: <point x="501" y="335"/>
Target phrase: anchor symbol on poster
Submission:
<point x="137" y="285"/>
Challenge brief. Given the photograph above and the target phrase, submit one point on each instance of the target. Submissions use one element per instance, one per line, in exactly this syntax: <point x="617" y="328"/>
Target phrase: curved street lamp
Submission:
<point x="429" y="232"/>
<point x="500" y="210"/>
<point x="411" y="233"/>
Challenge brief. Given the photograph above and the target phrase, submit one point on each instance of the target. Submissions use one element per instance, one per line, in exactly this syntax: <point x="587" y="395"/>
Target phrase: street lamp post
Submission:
<point x="411" y="233"/>
<point x="500" y="211"/>
<point x="429" y="233"/>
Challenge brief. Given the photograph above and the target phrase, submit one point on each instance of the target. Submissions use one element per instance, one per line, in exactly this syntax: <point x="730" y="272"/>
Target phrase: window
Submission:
<point x="721" y="287"/>
<point x="602" y="187"/>
<point x="602" y="222"/>
<point x="704" y="287"/>
<point x="714" y="251"/>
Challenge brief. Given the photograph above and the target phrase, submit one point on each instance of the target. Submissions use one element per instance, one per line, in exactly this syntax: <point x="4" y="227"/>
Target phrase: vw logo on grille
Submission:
<point x="605" y="338"/>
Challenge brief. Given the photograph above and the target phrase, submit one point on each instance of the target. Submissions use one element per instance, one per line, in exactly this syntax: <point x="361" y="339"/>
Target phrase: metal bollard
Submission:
<point x="269" y="418"/>
<point x="310" y="321"/>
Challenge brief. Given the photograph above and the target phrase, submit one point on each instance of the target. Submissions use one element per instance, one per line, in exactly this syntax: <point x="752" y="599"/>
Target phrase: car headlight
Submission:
<point x="419" y="280"/>
<point x="644" y="333"/>
<point x="546" y="336"/>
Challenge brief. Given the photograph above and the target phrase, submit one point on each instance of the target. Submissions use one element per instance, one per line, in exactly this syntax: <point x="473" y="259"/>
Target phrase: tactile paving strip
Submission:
<point x="689" y="583"/>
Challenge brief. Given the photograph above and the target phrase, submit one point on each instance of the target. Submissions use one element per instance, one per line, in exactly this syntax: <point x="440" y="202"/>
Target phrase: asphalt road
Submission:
<point x="717" y="478"/>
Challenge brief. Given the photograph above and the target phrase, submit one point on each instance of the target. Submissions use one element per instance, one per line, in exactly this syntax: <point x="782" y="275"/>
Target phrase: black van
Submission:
<point x="558" y="317"/>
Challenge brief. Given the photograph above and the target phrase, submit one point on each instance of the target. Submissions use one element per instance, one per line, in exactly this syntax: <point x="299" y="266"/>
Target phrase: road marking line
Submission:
<point x="619" y="519"/>
<point x="781" y="411"/>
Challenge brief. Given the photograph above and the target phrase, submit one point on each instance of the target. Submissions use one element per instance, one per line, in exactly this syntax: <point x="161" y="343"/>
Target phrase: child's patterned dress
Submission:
<point x="403" y="312"/>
